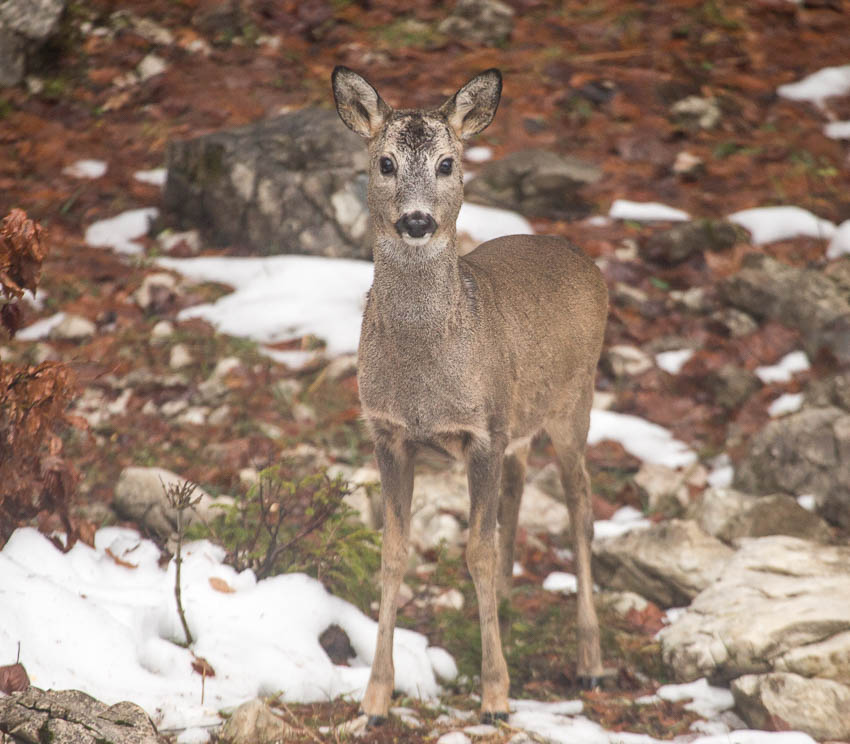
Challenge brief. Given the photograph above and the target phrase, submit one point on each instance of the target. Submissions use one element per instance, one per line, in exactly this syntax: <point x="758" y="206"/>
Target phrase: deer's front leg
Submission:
<point x="395" y="463"/>
<point x="484" y="465"/>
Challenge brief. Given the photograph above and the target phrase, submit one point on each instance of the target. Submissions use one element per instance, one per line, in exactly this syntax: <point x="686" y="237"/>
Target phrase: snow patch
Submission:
<point x="840" y="243"/>
<point x="837" y="129"/>
<point x="808" y="501"/>
<point x="485" y="223"/>
<point x="825" y="83"/>
<point x="85" y="169"/>
<point x="645" y="440"/>
<point x="478" y="154"/>
<point x="155" y="177"/>
<point x="673" y="361"/>
<point x="623" y="209"/>
<point x="40" y="329"/>
<point x="706" y="700"/>
<point x="785" y="404"/>
<point x="121" y="231"/>
<point x="560" y="581"/>
<point x="784" y="369"/>
<point x="625" y="519"/>
<point x="769" y="224"/>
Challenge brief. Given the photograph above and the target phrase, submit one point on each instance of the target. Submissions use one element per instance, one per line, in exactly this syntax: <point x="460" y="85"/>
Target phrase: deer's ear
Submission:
<point x="358" y="103"/>
<point x="473" y="107"/>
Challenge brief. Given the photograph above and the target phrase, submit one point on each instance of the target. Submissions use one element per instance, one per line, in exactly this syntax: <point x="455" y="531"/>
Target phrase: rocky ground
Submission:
<point x="673" y="103"/>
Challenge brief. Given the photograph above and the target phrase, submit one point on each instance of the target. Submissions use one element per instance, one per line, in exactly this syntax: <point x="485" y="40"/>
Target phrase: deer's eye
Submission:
<point x="386" y="165"/>
<point x="445" y="166"/>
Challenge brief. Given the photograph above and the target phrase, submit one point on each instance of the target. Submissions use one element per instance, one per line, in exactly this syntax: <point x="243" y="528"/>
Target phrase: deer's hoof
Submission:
<point x="375" y="721"/>
<point x="491" y="717"/>
<point x="589" y="682"/>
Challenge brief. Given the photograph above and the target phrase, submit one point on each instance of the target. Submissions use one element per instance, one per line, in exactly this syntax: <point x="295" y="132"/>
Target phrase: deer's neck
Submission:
<point x="417" y="289"/>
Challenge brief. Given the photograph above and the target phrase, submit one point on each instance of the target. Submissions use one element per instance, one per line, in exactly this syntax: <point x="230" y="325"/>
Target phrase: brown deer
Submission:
<point x="470" y="356"/>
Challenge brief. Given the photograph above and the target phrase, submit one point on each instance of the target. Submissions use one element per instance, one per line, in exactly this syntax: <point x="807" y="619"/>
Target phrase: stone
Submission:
<point x="487" y="22"/>
<point x="151" y="66"/>
<point x="35" y="716"/>
<point x="669" y="563"/>
<point x="623" y="360"/>
<point x="180" y="356"/>
<point x="703" y="111"/>
<point x="163" y="329"/>
<point x="255" y="723"/>
<point x="72" y="328"/>
<point x="731" y="385"/>
<point x="295" y="183"/>
<point x="729" y="514"/>
<point x="789" y="702"/>
<point x="830" y="391"/>
<point x="24" y="27"/>
<point x="536" y="183"/>
<point x="667" y="490"/>
<point x="140" y="497"/>
<point x="775" y="606"/>
<point x="680" y="242"/>
<point x="805" y="299"/>
<point x="736" y="322"/>
<point x="804" y="453"/>
<point x="157" y="292"/>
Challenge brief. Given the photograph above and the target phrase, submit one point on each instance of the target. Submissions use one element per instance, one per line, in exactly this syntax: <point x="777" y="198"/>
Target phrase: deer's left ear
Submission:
<point x="473" y="107"/>
<point x="358" y="103"/>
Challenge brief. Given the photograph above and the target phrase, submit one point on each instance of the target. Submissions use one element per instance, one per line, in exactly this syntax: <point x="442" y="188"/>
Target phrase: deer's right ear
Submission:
<point x="358" y="103"/>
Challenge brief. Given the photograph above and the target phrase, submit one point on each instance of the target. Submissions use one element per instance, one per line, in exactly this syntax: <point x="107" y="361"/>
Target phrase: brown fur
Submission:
<point x="472" y="356"/>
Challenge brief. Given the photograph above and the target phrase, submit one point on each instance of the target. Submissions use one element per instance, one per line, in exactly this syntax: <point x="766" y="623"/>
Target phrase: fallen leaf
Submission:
<point x="120" y="561"/>
<point x="202" y="666"/>
<point x="13" y="678"/>
<point x="220" y="585"/>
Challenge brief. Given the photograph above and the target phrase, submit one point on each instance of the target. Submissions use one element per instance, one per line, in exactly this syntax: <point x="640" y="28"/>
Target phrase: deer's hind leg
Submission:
<point x="513" y="479"/>
<point x="568" y="433"/>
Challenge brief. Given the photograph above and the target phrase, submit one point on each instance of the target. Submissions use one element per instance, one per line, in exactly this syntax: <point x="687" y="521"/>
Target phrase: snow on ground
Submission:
<point x="120" y="232"/>
<point x="623" y="209"/>
<point x="769" y="224"/>
<point x="85" y="169"/>
<point x="41" y="328"/>
<point x="785" y="404"/>
<point x="830" y="81"/>
<point x="485" y="223"/>
<point x="673" y="361"/>
<point x="283" y="297"/>
<point x="480" y="154"/>
<point x="840" y="243"/>
<point x="561" y="581"/>
<point x="119" y="634"/>
<point x="155" y="177"/>
<point x="837" y="129"/>
<point x="625" y="519"/>
<point x="784" y="369"/>
<point x="645" y="440"/>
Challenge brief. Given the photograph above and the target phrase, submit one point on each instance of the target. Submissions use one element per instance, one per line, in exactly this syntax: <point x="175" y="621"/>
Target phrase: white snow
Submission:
<point x="706" y="700"/>
<point x="625" y="519"/>
<point x="40" y="329"/>
<point x="837" y="129"/>
<point x="623" y="209"/>
<point x="117" y="634"/>
<point x="485" y="223"/>
<point x="480" y="154"/>
<point x="722" y="472"/>
<point x="785" y="404"/>
<point x="840" y="243"/>
<point x="120" y="232"/>
<point x="673" y="361"/>
<point x="784" y="369"/>
<point x="808" y="501"/>
<point x="560" y="581"/>
<point x="156" y="176"/>
<point x="283" y="297"/>
<point x="830" y="81"/>
<point x="769" y="224"/>
<point x="85" y="169"/>
<point x="650" y="442"/>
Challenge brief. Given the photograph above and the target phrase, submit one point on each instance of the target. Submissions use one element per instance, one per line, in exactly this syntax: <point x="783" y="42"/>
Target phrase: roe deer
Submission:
<point x="470" y="356"/>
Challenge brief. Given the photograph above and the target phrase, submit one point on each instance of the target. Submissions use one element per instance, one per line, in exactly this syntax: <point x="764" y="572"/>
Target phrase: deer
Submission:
<point x="472" y="357"/>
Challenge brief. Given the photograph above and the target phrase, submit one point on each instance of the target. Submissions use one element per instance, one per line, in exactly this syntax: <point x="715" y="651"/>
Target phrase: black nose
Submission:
<point x="416" y="224"/>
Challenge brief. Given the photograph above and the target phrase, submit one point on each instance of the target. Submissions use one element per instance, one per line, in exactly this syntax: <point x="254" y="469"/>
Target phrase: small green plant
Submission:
<point x="287" y="522"/>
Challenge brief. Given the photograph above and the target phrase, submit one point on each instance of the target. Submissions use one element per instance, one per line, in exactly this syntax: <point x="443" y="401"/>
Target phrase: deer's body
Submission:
<point x="471" y="356"/>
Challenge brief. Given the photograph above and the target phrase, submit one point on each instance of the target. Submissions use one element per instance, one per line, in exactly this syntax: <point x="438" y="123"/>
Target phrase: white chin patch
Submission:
<point x="416" y="242"/>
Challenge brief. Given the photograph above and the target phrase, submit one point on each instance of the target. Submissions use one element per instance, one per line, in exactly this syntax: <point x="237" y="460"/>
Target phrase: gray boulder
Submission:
<point x="295" y="183"/>
<point x="24" y="26"/>
<point x="729" y="514"/>
<point x="805" y="453"/>
<point x="830" y="391"/>
<point x="71" y="717"/>
<point x="682" y="241"/>
<point x="789" y="702"/>
<point x="669" y="563"/>
<point x="487" y="22"/>
<point x="255" y="723"/>
<point x="806" y="299"/>
<point x="780" y="604"/>
<point x="537" y="183"/>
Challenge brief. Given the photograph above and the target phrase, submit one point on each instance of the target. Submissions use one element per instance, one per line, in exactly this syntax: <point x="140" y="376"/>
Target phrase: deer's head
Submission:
<point x="415" y="174"/>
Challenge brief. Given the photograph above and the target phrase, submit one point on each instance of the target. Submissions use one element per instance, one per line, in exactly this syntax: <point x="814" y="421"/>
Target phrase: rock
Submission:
<point x="254" y="723"/>
<point x="789" y="702"/>
<point x="72" y="328"/>
<point x="451" y="599"/>
<point x="295" y="183"/>
<point x="487" y="22"/>
<point x="688" y="166"/>
<point x="776" y="597"/>
<point x="140" y="497"/>
<point x="537" y="183"/>
<point x="162" y="330"/>
<point x="305" y="459"/>
<point x="703" y="111"/>
<point x="180" y="356"/>
<point x="668" y="563"/>
<point x="24" y="26"/>
<point x="736" y="322"/>
<point x="729" y="514"/>
<point x="804" y="453"/>
<point x="731" y="385"/>
<point x="668" y="490"/>
<point x="830" y="391"/>
<point x="35" y="716"/>
<point x="680" y="242"/>
<point x="150" y="66"/>
<point x="805" y="299"/>
<point x="157" y="292"/>
<point x="622" y="360"/>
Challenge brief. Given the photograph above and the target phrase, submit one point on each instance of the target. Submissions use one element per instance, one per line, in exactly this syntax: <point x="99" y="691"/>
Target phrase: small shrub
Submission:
<point x="288" y="522"/>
